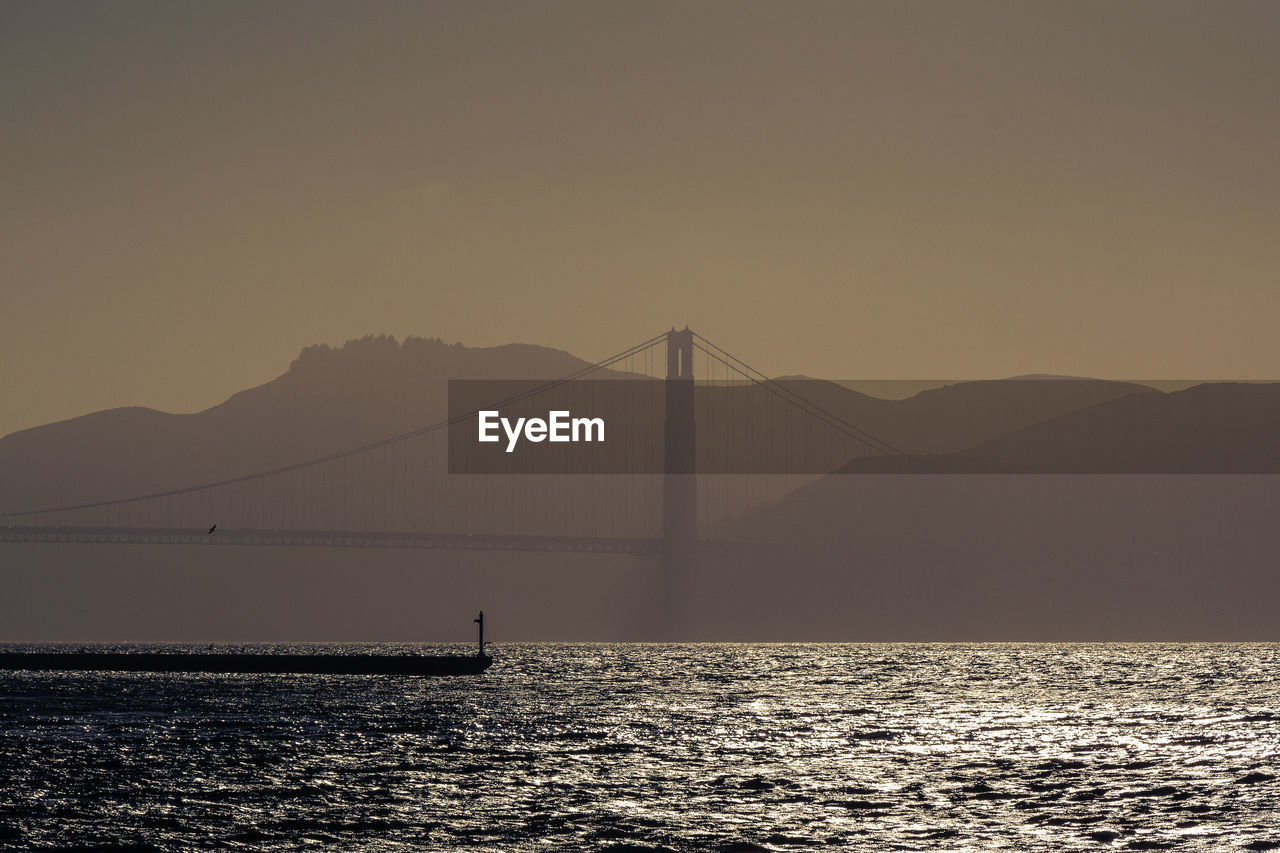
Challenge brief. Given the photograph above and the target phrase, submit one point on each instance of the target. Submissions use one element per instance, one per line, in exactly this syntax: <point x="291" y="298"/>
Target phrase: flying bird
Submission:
<point x="211" y="529"/>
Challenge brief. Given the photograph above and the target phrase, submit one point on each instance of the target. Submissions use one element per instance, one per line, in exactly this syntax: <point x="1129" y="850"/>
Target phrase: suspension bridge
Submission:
<point x="399" y="492"/>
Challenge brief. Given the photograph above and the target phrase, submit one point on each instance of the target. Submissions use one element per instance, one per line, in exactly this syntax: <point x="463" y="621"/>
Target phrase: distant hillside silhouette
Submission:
<point x="335" y="398"/>
<point x="331" y="399"/>
<point x="958" y="416"/>
<point x="1026" y="557"/>
<point x="1212" y="428"/>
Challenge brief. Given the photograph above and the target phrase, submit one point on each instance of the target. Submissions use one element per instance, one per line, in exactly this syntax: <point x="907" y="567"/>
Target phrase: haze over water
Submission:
<point x="650" y="747"/>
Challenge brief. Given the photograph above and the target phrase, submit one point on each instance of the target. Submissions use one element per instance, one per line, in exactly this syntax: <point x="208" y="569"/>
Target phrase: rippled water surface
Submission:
<point x="650" y="747"/>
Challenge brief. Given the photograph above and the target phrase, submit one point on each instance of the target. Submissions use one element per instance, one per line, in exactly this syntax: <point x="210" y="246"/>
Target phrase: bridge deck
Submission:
<point x="329" y="539"/>
<point x="359" y="539"/>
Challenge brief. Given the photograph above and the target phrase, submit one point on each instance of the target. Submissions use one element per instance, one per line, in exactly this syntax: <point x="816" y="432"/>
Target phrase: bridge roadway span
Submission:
<point x="367" y="539"/>
<point x="330" y="539"/>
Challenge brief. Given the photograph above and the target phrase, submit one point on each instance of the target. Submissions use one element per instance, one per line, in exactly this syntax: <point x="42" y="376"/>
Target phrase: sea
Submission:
<point x="730" y="748"/>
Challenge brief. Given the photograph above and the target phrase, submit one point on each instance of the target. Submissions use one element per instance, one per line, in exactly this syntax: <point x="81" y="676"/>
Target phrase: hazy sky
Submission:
<point x="192" y="192"/>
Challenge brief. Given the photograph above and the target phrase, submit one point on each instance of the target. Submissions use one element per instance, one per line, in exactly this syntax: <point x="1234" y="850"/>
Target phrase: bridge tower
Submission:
<point x="679" y="485"/>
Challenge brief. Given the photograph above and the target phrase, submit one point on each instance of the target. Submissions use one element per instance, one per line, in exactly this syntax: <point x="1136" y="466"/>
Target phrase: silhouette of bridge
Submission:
<point x="398" y="492"/>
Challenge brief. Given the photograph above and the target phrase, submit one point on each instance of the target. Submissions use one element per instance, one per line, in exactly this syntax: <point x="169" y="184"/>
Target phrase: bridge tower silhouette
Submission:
<point x="680" y="482"/>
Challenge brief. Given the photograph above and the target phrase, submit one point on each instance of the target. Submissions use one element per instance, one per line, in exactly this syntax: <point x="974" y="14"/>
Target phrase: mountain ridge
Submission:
<point x="1210" y="428"/>
<point x="331" y="399"/>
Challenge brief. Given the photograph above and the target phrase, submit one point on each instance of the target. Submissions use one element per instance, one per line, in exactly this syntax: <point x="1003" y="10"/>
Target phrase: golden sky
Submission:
<point x="192" y="192"/>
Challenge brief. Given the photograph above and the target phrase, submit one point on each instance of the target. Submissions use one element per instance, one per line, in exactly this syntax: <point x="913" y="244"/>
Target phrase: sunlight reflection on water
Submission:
<point x="686" y="747"/>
